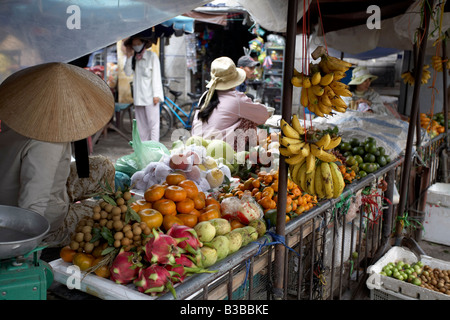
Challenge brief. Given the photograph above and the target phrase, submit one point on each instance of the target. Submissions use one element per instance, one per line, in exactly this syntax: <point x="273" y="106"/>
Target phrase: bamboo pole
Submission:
<point x="423" y="35"/>
<point x="286" y="103"/>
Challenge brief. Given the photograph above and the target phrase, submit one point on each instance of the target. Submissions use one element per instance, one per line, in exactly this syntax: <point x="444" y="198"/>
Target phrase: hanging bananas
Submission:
<point x="321" y="90"/>
<point x="409" y="79"/>
<point x="436" y="63"/>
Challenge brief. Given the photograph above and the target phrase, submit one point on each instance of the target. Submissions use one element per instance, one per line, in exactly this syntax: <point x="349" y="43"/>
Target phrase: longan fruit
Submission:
<point x="79" y="237"/>
<point x="120" y="201"/>
<point x="116" y="210"/>
<point x="74" y="245"/>
<point x="126" y="228"/>
<point x="137" y="231"/>
<point x="87" y="237"/>
<point x="102" y="204"/>
<point x="118" y="235"/>
<point x="109" y="224"/>
<point x="108" y="207"/>
<point x="86" y="229"/>
<point x="103" y="214"/>
<point x="96" y="216"/>
<point x="117" y="243"/>
<point x="126" y="195"/>
<point x="118" y="225"/>
<point x="118" y="194"/>
<point x="88" y="247"/>
<point x="125" y="241"/>
<point x="123" y="208"/>
<point x="129" y="234"/>
<point x="103" y="222"/>
<point x="96" y="209"/>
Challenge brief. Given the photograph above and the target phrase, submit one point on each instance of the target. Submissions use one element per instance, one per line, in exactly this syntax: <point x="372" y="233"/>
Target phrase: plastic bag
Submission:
<point x="144" y="153"/>
<point x="245" y="209"/>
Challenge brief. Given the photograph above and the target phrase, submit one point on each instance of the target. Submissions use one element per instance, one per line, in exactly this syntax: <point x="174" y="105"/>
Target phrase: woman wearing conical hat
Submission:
<point x="43" y="110"/>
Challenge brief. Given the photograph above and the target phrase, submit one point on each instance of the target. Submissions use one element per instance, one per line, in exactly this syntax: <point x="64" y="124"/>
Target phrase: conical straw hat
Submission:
<point x="55" y="102"/>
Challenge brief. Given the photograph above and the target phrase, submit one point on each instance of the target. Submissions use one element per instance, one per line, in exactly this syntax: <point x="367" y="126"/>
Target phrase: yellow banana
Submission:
<point x="288" y="131"/>
<point x="338" y="75"/>
<point x="310" y="163"/>
<point x="310" y="179"/>
<point x="294" y="171"/>
<point x="317" y="90"/>
<point x="301" y="177"/>
<point x="304" y="97"/>
<point x="318" y="111"/>
<point x="285" y="152"/>
<point x="322" y="154"/>
<point x="312" y="98"/>
<point x="327" y="180"/>
<point x="312" y="108"/>
<point x="339" y="109"/>
<point x="294" y="159"/>
<point x="306" y="150"/>
<point x="338" y="180"/>
<point x="326" y="79"/>
<point x="338" y="102"/>
<point x="324" y="141"/>
<point x="336" y="85"/>
<point x="333" y="143"/>
<point x="306" y="82"/>
<point x="335" y="64"/>
<point x="296" y="81"/>
<point x="296" y="124"/>
<point x="296" y="148"/>
<point x="323" y="108"/>
<point x="325" y="99"/>
<point x="324" y="67"/>
<point x="318" y="183"/>
<point x="315" y="79"/>
<point x="286" y="141"/>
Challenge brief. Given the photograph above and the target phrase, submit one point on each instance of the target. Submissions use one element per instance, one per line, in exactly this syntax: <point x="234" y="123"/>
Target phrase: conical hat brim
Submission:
<point x="55" y="102"/>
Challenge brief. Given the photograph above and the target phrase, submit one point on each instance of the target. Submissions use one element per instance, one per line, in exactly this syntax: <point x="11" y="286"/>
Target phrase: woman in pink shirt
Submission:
<point x="226" y="113"/>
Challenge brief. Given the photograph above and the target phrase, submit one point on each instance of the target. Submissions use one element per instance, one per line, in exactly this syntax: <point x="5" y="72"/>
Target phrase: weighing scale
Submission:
<point x="23" y="276"/>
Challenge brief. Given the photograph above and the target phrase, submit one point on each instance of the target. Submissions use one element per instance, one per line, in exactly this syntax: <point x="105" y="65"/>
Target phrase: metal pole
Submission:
<point x="286" y="103"/>
<point x="414" y="114"/>
<point x="446" y="93"/>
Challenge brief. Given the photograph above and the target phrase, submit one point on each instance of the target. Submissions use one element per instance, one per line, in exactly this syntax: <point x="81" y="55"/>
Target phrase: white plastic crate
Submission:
<point x="388" y="288"/>
<point x="437" y="216"/>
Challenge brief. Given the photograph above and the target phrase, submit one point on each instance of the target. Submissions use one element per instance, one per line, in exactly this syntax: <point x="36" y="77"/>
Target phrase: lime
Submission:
<point x="382" y="151"/>
<point x="381" y="160"/>
<point x="370" y="147"/>
<point x="355" y="168"/>
<point x="362" y="173"/>
<point x="354" y="142"/>
<point x="371" y="140"/>
<point x="350" y="160"/>
<point x="359" y="159"/>
<point x="368" y="157"/>
<point x="371" y="168"/>
<point x="358" y="150"/>
<point x="345" y="146"/>
<point x="347" y="154"/>
<point x="388" y="159"/>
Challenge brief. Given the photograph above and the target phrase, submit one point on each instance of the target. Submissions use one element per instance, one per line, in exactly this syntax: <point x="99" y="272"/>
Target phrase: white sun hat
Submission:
<point x="361" y="74"/>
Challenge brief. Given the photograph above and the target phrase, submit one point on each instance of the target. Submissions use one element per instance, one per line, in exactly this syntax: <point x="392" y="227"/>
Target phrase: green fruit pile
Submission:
<point x="404" y="272"/>
<point x="363" y="156"/>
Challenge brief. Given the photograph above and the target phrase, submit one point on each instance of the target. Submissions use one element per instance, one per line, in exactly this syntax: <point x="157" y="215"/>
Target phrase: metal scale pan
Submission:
<point x="21" y="231"/>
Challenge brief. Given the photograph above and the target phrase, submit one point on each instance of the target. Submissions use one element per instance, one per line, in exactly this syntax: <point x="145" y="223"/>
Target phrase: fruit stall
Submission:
<point x="309" y="213"/>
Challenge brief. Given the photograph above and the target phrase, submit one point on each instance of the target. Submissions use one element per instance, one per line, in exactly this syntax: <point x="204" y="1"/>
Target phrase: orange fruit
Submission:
<point x="169" y="221"/>
<point x="154" y="193"/>
<point x="67" y="254"/>
<point x="189" y="220"/>
<point x="236" y="224"/>
<point x="102" y="271"/>
<point x="195" y="212"/>
<point x="83" y="261"/>
<point x="199" y="202"/>
<point x="185" y="206"/>
<point x="141" y="204"/>
<point x="190" y="187"/>
<point x="174" y="178"/>
<point x="210" y="214"/>
<point x="165" y="207"/>
<point x="175" y="193"/>
<point x="151" y="217"/>
<point x="213" y="201"/>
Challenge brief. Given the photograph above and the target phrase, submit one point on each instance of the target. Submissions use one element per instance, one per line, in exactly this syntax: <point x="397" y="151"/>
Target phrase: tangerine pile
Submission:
<point x="177" y="200"/>
<point x="264" y="189"/>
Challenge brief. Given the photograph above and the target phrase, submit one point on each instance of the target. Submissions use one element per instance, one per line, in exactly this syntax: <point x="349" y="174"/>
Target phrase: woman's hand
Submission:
<point x="363" y="101"/>
<point x="156" y="100"/>
<point x="129" y="52"/>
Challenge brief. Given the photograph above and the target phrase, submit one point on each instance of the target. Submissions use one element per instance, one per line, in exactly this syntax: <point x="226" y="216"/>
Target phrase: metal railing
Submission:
<point x="327" y="251"/>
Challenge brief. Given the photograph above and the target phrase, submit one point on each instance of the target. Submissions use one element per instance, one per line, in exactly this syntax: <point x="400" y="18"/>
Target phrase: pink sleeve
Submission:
<point x="248" y="109"/>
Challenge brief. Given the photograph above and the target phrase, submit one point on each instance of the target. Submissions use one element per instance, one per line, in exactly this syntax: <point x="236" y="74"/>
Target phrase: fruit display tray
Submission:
<point x="388" y="288"/>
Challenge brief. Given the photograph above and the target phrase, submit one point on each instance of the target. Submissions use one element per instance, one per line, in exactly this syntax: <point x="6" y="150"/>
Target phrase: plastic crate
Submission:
<point x="388" y="288"/>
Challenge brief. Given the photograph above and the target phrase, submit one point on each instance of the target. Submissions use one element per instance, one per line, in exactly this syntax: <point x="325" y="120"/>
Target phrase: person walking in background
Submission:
<point x="147" y="85"/>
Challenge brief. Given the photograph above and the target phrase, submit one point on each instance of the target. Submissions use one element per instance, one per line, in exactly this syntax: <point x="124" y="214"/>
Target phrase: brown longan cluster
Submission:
<point x="436" y="279"/>
<point x="113" y="217"/>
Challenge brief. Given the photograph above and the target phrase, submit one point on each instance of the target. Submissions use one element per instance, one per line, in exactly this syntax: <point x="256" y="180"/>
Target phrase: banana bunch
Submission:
<point x="408" y="77"/>
<point x="296" y="150"/>
<point x="436" y="63"/>
<point x="324" y="179"/>
<point x="321" y="90"/>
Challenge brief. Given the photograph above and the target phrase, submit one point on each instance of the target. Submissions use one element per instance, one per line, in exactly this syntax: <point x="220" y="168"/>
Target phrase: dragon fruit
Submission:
<point x="184" y="266"/>
<point x="125" y="267"/>
<point x="162" y="248"/>
<point x="155" y="279"/>
<point x="186" y="237"/>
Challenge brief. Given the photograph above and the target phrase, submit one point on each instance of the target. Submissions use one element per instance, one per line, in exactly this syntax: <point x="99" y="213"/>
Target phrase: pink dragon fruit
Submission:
<point x="155" y="279"/>
<point x="162" y="248"/>
<point x="125" y="267"/>
<point x="186" y="237"/>
<point x="184" y="266"/>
